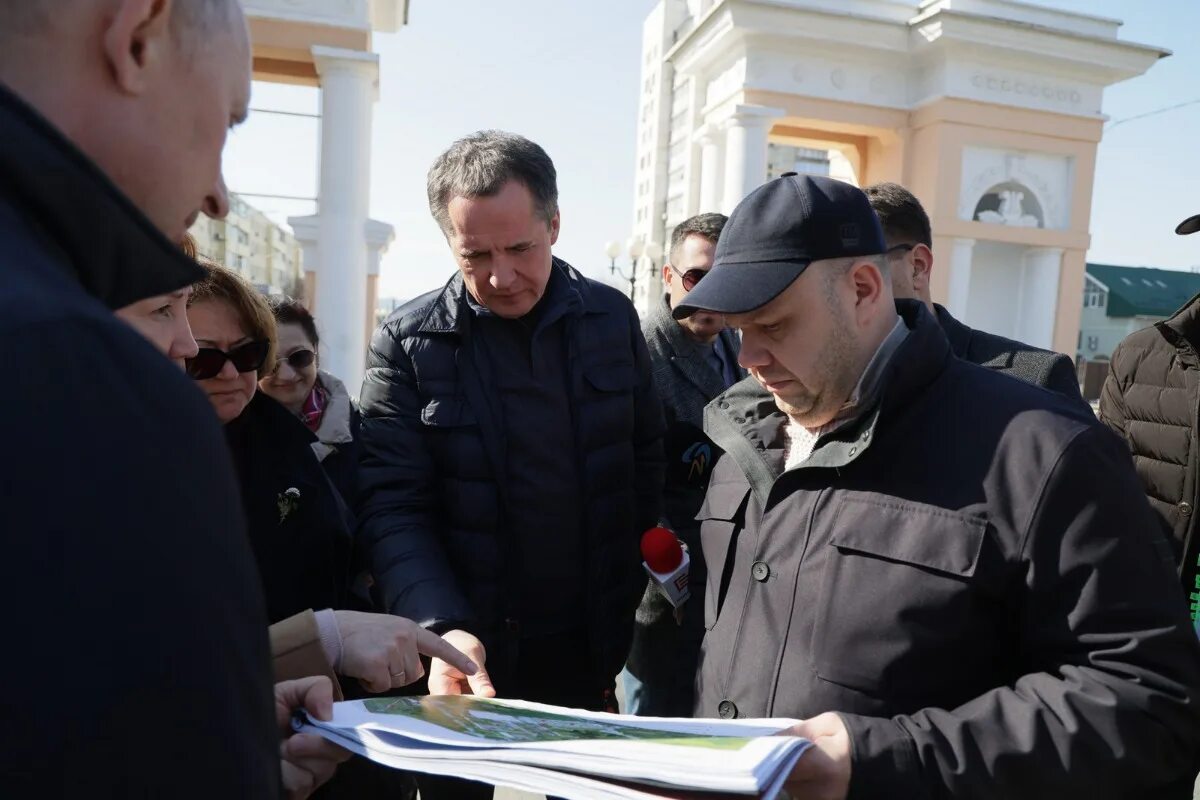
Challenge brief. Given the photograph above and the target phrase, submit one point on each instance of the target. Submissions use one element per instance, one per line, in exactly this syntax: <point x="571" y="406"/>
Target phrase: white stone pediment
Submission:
<point x="382" y="15"/>
<point x="867" y="77"/>
<point x="1006" y="84"/>
<point x="873" y="52"/>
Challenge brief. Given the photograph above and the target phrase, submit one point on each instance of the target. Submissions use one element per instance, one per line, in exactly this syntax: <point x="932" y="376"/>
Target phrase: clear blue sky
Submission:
<point x="565" y="73"/>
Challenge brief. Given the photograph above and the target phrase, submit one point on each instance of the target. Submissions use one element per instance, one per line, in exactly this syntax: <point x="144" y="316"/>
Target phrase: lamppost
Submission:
<point x="636" y="250"/>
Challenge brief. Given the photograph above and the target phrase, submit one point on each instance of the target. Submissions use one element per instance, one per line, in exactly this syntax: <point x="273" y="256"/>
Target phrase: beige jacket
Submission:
<point x="296" y="650"/>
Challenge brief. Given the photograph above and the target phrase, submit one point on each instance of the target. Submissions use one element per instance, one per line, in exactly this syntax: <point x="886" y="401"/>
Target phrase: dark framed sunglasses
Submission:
<point x="301" y="359"/>
<point x="209" y="361"/>
<point x="691" y="277"/>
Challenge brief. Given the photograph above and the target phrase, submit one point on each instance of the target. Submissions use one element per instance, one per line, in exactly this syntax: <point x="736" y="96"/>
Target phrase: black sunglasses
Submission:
<point x="691" y="277"/>
<point x="301" y="359"/>
<point x="209" y="361"/>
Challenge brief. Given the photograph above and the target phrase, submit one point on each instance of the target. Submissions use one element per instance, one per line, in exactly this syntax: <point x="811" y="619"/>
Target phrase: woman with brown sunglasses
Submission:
<point x="315" y="397"/>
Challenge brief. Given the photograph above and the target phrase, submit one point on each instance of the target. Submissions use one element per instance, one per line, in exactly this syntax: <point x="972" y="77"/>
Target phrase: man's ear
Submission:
<point x="555" y="221"/>
<point x="869" y="282"/>
<point x="666" y="277"/>
<point x="921" y="262"/>
<point x="137" y="40"/>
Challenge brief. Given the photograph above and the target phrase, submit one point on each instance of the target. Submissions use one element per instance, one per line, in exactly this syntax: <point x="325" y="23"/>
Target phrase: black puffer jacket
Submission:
<point x="1151" y="398"/>
<point x="432" y="500"/>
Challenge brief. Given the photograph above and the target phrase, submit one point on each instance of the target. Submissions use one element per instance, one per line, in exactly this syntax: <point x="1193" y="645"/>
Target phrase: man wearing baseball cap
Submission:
<point x="951" y="576"/>
<point x="1152" y="399"/>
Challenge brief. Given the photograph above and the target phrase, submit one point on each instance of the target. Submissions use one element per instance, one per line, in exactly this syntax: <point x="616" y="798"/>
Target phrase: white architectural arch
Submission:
<point x="328" y="44"/>
<point x="989" y="111"/>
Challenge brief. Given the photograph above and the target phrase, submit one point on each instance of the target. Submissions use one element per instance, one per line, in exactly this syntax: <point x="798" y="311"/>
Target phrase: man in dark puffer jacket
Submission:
<point x="512" y="446"/>
<point x="1151" y="398"/>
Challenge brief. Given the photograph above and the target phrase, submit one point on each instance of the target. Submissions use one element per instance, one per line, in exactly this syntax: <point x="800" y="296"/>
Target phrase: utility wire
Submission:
<point x="284" y="113"/>
<point x="1112" y="125"/>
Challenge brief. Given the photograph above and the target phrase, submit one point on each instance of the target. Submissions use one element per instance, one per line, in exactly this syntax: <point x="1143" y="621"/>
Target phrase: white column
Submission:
<point x="709" y="140"/>
<point x="380" y="236"/>
<point x="348" y="91"/>
<point x="960" y="277"/>
<point x="305" y="229"/>
<point x="746" y="152"/>
<point x="1038" y="307"/>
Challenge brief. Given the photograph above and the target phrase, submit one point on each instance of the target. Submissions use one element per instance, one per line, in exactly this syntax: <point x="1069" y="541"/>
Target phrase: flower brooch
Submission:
<point x="287" y="502"/>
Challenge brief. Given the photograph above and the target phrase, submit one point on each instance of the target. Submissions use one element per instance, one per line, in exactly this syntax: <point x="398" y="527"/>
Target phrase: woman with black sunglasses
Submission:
<point x="315" y="397"/>
<point x="299" y="525"/>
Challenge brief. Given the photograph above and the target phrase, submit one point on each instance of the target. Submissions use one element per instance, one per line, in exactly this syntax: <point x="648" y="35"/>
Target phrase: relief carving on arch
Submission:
<point x="1007" y="188"/>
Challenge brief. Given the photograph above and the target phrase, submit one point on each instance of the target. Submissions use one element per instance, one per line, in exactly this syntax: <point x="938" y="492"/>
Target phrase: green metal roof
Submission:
<point x="1145" y="291"/>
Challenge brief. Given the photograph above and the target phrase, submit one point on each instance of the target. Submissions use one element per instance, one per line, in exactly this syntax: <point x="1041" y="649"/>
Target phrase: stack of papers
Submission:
<point x="566" y="752"/>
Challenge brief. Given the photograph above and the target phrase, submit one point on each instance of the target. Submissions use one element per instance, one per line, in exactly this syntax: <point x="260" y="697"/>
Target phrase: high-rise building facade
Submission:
<point x="249" y="242"/>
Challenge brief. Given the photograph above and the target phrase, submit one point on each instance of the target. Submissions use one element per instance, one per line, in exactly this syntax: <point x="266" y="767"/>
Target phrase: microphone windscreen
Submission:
<point x="661" y="550"/>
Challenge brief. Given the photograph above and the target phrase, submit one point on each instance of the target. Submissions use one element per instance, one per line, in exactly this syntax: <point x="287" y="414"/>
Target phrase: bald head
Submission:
<point x="147" y="89"/>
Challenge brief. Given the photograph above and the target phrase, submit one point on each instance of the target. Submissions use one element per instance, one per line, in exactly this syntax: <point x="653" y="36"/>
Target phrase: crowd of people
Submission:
<point x="912" y="536"/>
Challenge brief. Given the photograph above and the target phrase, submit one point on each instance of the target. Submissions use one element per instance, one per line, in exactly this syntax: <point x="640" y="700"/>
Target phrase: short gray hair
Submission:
<point x="28" y="17"/>
<point x="481" y="164"/>
<point x="838" y="267"/>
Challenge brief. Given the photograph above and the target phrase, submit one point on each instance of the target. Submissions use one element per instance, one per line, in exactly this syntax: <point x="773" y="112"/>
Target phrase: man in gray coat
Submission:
<point x="909" y="240"/>
<point x="693" y="360"/>
<point x="951" y="577"/>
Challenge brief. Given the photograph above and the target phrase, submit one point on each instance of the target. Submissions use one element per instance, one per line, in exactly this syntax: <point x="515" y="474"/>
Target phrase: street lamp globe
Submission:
<point x="653" y="250"/>
<point x="634" y="246"/>
<point x="612" y="250"/>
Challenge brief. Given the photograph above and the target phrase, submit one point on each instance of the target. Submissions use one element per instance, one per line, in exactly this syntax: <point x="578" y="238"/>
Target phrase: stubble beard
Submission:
<point x="838" y="368"/>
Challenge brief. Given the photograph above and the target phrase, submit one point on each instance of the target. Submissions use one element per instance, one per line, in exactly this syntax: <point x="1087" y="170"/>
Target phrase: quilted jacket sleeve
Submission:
<point x="1112" y="396"/>
<point x="649" y="427"/>
<point x="399" y="525"/>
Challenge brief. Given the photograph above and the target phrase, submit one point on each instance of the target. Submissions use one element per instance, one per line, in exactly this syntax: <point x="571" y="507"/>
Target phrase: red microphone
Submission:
<point x="666" y="561"/>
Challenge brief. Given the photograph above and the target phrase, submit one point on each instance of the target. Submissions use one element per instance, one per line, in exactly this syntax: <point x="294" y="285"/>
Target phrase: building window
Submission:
<point x="1093" y="296"/>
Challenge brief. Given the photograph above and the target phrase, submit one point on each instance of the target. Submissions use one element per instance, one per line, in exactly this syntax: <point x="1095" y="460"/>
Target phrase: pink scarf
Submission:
<point x="313" y="410"/>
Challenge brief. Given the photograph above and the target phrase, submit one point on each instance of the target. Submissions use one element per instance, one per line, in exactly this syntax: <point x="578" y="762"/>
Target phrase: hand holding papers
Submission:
<point x="566" y="752"/>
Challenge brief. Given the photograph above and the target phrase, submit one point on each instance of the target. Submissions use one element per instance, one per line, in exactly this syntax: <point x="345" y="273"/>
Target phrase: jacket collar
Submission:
<point x="746" y="423"/>
<point x="957" y="334"/>
<point x="99" y="236"/>
<point x="335" y="422"/>
<point x="451" y="311"/>
<point x="265" y="417"/>
<point x="688" y="355"/>
<point x="1182" y="328"/>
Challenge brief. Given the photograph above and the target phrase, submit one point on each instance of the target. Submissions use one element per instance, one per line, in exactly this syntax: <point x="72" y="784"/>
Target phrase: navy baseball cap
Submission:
<point x="1189" y="225"/>
<point x="775" y="233"/>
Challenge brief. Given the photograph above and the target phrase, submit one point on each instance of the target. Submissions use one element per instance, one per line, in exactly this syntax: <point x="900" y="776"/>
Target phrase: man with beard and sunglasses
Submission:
<point x="692" y="360"/>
